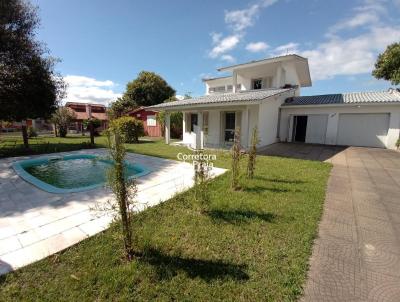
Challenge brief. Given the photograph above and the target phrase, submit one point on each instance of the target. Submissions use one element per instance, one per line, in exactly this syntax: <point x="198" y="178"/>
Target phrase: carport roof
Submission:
<point x="223" y="98"/>
<point x="390" y="96"/>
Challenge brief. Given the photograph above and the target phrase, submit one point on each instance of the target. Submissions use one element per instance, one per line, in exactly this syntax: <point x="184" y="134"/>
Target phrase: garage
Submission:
<point x="310" y="128"/>
<point x="365" y="119"/>
<point x="366" y="130"/>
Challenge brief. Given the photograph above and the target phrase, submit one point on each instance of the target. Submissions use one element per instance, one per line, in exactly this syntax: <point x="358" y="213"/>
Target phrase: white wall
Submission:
<point x="281" y="73"/>
<point x="291" y="76"/>
<point x="333" y="113"/>
<point x="214" y="131"/>
<point x="268" y="115"/>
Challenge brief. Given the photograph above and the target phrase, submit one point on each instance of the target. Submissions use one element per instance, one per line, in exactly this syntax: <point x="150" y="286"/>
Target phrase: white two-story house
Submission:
<point x="266" y="94"/>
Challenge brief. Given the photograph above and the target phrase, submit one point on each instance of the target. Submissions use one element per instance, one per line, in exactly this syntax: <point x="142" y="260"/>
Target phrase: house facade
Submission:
<point x="85" y="111"/>
<point x="151" y="125"/>
<point x="267" y="94"/>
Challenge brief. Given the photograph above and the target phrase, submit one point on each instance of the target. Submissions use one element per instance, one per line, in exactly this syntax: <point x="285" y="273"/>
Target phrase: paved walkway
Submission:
<point x="35" y="224"/>
<point x="356" y="256"/>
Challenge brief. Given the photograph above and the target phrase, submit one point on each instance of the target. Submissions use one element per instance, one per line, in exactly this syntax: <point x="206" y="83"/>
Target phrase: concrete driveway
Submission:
<point x="356" y="256"/>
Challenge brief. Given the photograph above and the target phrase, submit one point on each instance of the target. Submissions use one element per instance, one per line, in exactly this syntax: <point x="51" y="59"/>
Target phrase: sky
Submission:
<point x="104" y="44"/>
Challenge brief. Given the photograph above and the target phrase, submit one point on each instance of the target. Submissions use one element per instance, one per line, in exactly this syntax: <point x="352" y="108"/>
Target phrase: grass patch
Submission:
<point x="249" y="245"/>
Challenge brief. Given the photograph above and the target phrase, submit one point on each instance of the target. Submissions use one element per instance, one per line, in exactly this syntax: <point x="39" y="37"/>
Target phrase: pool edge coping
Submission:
<point x="21" y="172"/>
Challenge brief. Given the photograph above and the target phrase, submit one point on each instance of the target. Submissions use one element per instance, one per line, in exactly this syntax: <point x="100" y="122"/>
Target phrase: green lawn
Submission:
<point x="250" y="245"/>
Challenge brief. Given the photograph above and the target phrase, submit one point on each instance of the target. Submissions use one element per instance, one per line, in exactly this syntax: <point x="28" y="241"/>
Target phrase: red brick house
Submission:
<point x="151" y="126"/>
<point x="84" y="111"/>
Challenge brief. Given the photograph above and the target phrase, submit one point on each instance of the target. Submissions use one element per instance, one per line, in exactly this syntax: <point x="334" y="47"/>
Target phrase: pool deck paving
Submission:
<point x="35" y="224"/>
<point x="356" y="256"/>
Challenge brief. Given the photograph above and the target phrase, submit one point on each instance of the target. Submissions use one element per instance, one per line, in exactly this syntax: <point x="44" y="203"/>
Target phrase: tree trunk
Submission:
<point x="55" y="130"/>
<point x="25" y="135"/>
<point x="123" y="207"/>
<point x="91" y="128"/>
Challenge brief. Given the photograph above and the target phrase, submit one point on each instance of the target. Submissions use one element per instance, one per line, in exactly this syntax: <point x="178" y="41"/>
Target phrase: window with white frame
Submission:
<point x="151" y="121"/>
<point x="216" y="89"/>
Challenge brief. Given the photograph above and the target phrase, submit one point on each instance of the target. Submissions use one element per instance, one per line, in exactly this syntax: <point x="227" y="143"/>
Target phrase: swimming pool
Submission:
<point x="71" y="173"/>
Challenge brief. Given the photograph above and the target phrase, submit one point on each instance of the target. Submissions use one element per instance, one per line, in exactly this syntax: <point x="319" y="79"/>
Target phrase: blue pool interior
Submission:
<point x="71" y="173"/>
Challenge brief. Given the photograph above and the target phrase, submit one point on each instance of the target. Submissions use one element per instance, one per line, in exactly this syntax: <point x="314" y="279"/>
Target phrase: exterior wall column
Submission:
<point x="183" y="123"/>
<point x="201" y="132"/>
<point x="245" y="128"/>
<point x="290" y="128"/>
<point x="234" y="81"/>
<point x="278" y="76"/>
<point x="167" y="127"/>
<point x="394" y="130"/>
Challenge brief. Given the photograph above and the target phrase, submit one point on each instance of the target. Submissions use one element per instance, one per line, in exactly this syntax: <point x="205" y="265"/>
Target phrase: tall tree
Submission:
<point x="148" y="89"/>
<point x="387" y="65"/>
<point x="61" y="119"/>
<point x="29" y="86"/>
<point x="120" y="107"/>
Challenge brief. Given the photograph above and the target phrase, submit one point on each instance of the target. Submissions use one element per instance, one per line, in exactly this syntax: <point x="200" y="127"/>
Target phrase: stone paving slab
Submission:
<point x="356" y="256"/>
<point x="35" y="224"/>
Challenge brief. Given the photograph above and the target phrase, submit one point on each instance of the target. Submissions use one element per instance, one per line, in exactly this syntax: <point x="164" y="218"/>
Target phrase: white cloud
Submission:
<point x="365" y="15"/>
<point x="224" y="45"/>
<point x="241" y="19"/>
<point x="257" y="46"/>
<point x="356" y="54"/>
<point x="86" y="81"/>
<point x="228" y="58"/>
<point x="89" y="90"/>
<point x="238" y="21"/>
<point x="289" y="48"/>
<point x="349" y="56"/>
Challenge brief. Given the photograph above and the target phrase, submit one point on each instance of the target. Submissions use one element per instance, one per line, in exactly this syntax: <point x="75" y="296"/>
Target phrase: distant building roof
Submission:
<point x="390" y="96"/>
<point x="224" y="98"/>
<point x="67" y="104"/>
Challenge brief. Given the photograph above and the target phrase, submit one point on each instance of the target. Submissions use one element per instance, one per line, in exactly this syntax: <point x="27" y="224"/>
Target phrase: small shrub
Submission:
<point x="398" y="143"/>
<point x="236" y="160"/>
<point x="251" y="164"/>
<point x="201" y="179"/>
<point x="124" y="191"/>
<point x="31" y="132"/>
<point x="129" y="127"/>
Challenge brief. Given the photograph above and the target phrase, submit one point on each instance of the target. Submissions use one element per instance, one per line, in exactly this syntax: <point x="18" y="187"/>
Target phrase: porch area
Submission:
<point x="215" y="127"/>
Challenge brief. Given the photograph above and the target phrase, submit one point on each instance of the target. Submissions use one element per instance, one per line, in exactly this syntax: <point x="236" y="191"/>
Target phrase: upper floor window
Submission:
<point x="216" y="89"/>
<point x="238" y="87"/>
<point x="256" y="84"/>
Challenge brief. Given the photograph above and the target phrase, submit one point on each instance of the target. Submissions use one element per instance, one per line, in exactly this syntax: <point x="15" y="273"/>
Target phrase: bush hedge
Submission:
<point x="130" y="128"/>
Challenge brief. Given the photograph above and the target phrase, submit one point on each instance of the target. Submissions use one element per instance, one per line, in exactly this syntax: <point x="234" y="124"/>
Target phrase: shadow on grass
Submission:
<point x="238" y="216"/>
<point x="142" y="141"/>
<point x="260" y="189"/>
<point x="4" y="269"/>
<point x="284" y="181"/>
<point x="167" y="267"/>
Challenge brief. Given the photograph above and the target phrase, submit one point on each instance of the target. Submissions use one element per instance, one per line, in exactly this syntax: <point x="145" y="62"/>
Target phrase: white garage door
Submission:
<point x="367" y="130"/>
<point x="316" y="128"/>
